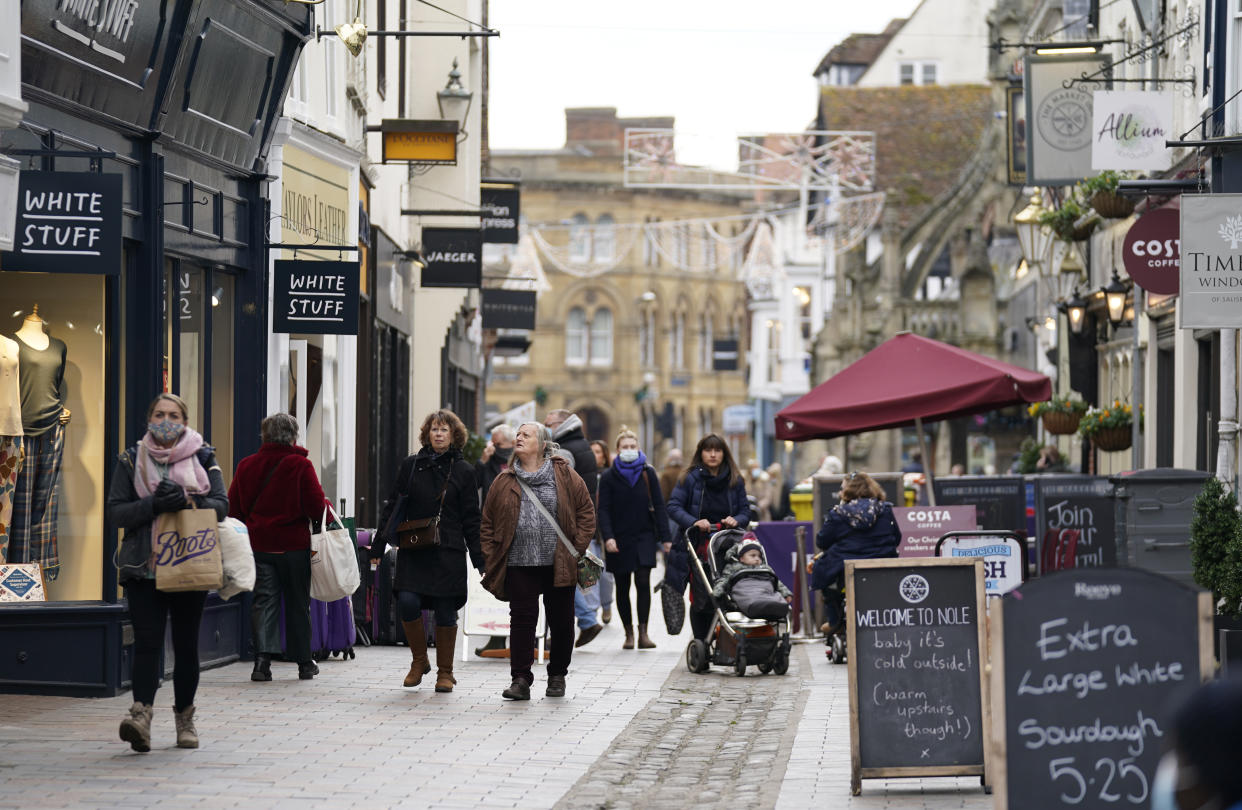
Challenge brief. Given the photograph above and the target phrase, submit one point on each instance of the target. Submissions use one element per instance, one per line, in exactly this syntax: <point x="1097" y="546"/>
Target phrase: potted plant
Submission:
<point x="1110" y="428"/>
<point x="1062" y="221"/>
<point x="1216" y="546"/>
<point x="1101" y="192"/>
<point x="1060" y="414"/>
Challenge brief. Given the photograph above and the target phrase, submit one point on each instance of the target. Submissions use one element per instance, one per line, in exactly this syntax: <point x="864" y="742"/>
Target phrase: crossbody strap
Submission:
<point x="543" y="511"/>
<point x="266" y="480"/>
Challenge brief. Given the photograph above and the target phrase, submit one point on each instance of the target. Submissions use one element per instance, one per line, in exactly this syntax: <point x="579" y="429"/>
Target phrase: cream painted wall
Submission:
<point x="951" y="33"/>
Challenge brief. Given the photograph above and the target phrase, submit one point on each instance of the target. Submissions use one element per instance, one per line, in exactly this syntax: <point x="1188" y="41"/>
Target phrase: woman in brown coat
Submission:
<point x="525" y="557"/>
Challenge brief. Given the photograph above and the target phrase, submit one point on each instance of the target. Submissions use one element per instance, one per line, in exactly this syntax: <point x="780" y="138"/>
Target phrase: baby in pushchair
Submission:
<point x="748" y="583"/>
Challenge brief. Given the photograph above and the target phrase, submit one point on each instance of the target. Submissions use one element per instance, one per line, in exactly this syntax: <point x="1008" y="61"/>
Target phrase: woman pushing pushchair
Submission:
<point x="860" y="526"/>
<point x="712" y="491"/>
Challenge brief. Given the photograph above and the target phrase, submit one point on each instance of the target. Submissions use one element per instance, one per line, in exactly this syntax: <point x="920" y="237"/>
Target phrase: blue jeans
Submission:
<point x="410" y="606"/>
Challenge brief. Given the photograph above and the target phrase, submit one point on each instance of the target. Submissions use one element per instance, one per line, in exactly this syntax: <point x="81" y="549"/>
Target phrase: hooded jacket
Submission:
<point x="735" y="569"/>
<point x="570" y="436"/>
<point x="855" y="530"/>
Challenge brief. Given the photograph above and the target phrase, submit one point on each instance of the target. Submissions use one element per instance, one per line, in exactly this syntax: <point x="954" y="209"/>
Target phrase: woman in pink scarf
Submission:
<point x="170" y="468"/>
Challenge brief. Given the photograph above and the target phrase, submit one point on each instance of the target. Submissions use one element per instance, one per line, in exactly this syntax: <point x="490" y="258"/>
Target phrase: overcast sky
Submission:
<point x="721" y="67"/>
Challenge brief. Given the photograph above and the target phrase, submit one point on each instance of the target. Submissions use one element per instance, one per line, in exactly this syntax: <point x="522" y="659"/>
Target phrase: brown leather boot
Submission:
<point x="628" y="644"/>
<point x="644" y="640"/>
<point x="416" y="637"/>
<point x="446" y="641"/>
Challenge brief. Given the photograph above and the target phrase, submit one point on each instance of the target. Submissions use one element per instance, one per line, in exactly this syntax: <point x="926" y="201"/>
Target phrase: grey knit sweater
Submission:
<point x="534" y="539"/>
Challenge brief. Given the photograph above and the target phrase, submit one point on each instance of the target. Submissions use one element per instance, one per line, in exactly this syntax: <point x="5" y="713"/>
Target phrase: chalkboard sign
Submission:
<point x="1082" y="502"/>
<point x="916" y="635"/>
<point x="999" y="500"/>
<point x="1092" y="660"/>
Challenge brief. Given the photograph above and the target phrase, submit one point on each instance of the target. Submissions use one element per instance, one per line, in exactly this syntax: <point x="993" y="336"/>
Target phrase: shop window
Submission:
<point x="61" y="427"/>
<point x="601" y="338"/>
<point x="575" y="337"/>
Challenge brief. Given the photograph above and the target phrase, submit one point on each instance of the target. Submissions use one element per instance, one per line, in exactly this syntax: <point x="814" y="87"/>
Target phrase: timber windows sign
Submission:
<point x="1211" y="261"/>
<point x="454" y="257"/>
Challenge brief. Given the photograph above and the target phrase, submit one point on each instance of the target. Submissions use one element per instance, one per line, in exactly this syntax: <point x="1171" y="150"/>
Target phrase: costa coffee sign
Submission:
<point x="1153" y="249"/>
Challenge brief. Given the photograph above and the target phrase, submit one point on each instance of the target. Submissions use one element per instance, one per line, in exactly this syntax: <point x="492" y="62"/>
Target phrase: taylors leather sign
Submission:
<point x="454" y="257"/>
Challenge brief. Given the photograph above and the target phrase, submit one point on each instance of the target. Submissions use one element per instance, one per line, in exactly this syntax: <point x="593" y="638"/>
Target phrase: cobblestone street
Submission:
<point x="636" y="730"/>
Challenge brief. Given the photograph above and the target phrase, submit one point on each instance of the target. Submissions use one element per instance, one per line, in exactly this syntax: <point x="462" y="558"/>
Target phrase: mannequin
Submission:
<point x="41" y="361"/>
<point x="10" y="437"/>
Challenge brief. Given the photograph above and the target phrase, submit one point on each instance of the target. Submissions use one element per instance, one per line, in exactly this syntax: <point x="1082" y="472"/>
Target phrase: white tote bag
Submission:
<point x="334" y="562"/>
<point x="239" y="573"/>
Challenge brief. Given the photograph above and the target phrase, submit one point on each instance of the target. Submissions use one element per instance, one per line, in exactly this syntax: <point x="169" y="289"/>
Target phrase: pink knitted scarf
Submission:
<point x="179" y="460"/>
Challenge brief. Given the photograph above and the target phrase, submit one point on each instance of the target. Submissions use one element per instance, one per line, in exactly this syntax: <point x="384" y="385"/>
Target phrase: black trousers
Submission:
<point x="642" y="584"/>
<point x="149" y="609"/>
<point x="286" y="574"/>
<point x="524" y="585"/>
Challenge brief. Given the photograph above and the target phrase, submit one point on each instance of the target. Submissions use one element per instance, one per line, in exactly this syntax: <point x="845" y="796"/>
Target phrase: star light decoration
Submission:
<point x="811" y="158"/>
<point x="652" y="155"/>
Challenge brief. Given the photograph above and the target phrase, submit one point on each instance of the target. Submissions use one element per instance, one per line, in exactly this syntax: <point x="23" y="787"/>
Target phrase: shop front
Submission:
<point x="138" y="268"/>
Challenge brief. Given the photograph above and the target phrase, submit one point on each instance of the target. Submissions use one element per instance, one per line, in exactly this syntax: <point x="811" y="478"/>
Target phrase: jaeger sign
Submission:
<point x="453" y="256"/>
<point x="1211" y="258"/>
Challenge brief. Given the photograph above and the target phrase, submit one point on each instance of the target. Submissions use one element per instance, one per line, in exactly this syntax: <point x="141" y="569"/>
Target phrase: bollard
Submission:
<point x="806" y="620"/>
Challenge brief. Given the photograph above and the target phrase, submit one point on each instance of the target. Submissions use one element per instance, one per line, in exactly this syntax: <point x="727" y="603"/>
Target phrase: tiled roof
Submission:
<point x="858" y="49"/>
<point x="925" y="135"/>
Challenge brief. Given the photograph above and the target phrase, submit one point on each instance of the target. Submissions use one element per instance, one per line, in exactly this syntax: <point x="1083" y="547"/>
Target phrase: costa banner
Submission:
<point x="1152" y="251"/>
<point x="1130" y="129"/>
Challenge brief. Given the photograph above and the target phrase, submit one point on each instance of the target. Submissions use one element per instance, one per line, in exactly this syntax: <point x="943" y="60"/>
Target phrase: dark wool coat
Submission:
<point x="584" y="457"/>
<point x="134" y="515"/>
<point x="575" y="512"/>
<point x="684" y="508"/>
<point x="856" y="530"/>
<point x="277" y="515"/>
<point x="634" y="516"/>
<point x="437" y="572"/>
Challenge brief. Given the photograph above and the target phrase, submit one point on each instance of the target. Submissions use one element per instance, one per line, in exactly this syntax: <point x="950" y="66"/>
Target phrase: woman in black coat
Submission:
<point x="632" y="520"/>
<point x="434" y="578"/>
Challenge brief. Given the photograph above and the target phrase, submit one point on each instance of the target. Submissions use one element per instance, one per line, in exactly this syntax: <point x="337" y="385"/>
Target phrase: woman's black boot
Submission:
<point x="262" y="668"/>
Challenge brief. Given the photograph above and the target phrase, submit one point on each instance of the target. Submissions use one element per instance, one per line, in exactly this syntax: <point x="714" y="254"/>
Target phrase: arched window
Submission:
<point x="677" y="341"/>
<point x="646" y="338"/>
<point x="601" y="338"/>
<point x="576" y="337"/>
<point x="605" y="248"/>
<point x="580" y="239"/>
<point x="705" y="341"/>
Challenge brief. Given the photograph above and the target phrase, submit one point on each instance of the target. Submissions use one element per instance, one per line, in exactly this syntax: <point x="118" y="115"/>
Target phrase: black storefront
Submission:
<point x="178" y="99"/>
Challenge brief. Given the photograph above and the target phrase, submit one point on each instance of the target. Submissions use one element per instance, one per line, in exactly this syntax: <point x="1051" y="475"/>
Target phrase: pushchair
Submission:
<point x="734" y="639"/>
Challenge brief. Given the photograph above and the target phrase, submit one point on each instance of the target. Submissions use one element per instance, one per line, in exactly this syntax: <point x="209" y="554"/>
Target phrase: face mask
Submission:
<point x="628" y="456"/>
<point x="166" y="432"/>
<point x="1164" y="785"/>
<point x="503" y="453"/>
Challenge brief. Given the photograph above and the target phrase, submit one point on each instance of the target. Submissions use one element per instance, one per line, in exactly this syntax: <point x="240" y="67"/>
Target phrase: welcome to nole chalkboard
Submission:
<point x="1093" y="661"/>
<point x="916" y="674"/>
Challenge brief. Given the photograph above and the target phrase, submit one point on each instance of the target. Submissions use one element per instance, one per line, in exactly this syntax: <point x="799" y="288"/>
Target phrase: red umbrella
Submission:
<point x="905" y="381"/>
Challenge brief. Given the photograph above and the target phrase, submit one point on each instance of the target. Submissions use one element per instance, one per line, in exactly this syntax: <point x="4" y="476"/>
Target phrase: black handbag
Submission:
<point x="420" y="533"/>
<point x="674" y="606"/>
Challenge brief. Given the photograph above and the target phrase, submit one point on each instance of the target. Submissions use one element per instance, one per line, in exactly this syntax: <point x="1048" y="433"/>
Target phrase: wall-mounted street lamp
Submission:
<point x="1076" y="312"/>
<point x="1033" y="238"/>
<point x="454" y="100"/>
<point x="1115" y="296"/>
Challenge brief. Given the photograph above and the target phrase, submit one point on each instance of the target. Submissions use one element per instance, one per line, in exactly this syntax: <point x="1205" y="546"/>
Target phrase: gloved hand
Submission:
<point x="168" y="497"/>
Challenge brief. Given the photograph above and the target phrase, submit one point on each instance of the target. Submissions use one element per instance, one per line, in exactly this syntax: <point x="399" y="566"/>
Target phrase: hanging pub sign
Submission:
<point x="315" y="298"/>
<point x="1130" y="128"/>
<point x="422" y="143"/>
<point x="1152" y="251"/>
<point x="67" y="222"/>
<point x="501" y="203"/>
<point x="724" y="354"/>
<point x="1211" y="261"/>
<point x="508" y="309"/>
<point x="454" y="257"/>
<point x="1015" y="135"/>
<point x="1058" y="119"/>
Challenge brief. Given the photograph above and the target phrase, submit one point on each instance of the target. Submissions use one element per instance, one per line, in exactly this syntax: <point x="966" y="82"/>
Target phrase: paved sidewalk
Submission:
<point x="636" y="729"/>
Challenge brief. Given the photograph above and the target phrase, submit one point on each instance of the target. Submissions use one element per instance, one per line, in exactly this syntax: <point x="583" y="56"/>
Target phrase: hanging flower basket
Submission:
<point x="1061" y="423"/>
<point x="1111" y="205"/>
<point x="1112" y="439"/>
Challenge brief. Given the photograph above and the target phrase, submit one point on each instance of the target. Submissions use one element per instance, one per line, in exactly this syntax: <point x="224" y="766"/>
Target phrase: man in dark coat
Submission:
<point x="495" y="458"/>
<point x="567" y="431"/>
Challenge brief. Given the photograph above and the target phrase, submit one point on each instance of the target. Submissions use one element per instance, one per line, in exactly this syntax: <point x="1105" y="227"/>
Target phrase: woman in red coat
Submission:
<point x="276" y="493"/>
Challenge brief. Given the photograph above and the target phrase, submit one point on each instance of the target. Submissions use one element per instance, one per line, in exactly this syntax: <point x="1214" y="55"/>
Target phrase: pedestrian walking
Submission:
<point x="712" y="491"/>
<point x="277" y="494"/>
<point x="860" y="526"/>
<point x="607" y="582"/>
<point x="434" y="482"/>
<point x="169" y="469"/>
<point x="529" y="508"/>
<point x="497" y="456"/>
<point x="633" y="521"/>
<point x="567" y="432"/>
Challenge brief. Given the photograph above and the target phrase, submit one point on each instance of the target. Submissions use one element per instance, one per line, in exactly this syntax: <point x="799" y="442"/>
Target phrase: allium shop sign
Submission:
<point x="1130" y="128"/>
<point x="1211" y="271"/>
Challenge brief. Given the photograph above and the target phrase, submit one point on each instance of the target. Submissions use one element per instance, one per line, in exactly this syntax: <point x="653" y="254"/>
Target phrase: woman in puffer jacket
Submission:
<point x="861" y="526"/>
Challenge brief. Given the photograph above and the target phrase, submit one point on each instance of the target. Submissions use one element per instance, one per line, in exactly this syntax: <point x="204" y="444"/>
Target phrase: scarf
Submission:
<point x="534" y="539"/>
<point x="178" y="463"/>
<point x="717" y="482"/>
<point x="633" y="471"/>
<point x="860" y="514"/>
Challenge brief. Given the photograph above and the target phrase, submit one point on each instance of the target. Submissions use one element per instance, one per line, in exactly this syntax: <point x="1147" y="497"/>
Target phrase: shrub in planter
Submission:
<point x="1061" y="221"/>
<point x="1110" y="428"/>
<point x="1101" y="192"/>
<point x="1216" y="546"/>
<point x="1060" y="414"/>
